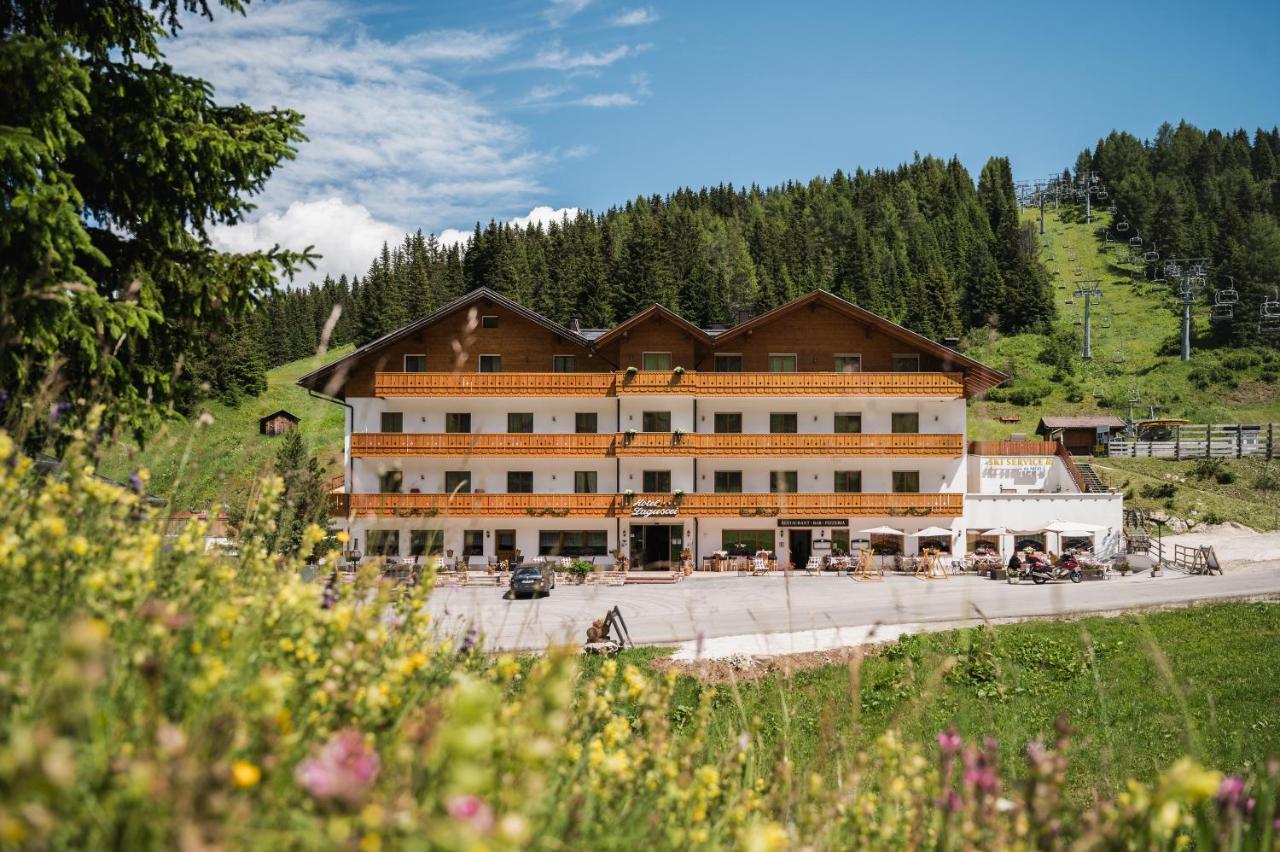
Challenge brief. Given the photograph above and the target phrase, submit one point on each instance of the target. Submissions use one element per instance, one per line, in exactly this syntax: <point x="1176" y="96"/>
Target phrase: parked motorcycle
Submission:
<point x="1066" y="569"/>
<point x="1040" y="571"/>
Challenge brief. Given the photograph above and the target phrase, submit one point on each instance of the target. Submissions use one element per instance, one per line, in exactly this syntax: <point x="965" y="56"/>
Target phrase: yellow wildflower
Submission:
<point x="244" y="774"/>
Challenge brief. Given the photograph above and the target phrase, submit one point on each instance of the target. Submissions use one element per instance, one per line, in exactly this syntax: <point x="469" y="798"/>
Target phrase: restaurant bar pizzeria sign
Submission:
<point x="813" y="522"/>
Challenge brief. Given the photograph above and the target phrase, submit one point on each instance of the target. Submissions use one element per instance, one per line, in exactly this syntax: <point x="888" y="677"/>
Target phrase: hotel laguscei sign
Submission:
<point x="650" y="508"/>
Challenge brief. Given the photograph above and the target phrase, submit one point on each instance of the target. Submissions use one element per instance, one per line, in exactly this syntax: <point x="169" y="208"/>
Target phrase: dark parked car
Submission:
<point x="532" y="581"/>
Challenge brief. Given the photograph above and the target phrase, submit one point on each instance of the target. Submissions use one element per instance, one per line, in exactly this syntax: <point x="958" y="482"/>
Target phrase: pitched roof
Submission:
<point x="295" y="418"/>
<point x="1090" y="421"/>
<point x="315" y="380"/>
<point x="654" y="310"/>
<point x="978" y="376"/>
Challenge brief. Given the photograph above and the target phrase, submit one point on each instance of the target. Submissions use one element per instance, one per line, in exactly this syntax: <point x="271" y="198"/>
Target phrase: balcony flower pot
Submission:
<point x="629" y="436"/>
<point x="677" y="495"/>
<point x="677" y="435"/>
<point x="627" y="495"/>
<point x="677" y="374"/>
<point x="631" y="373"/>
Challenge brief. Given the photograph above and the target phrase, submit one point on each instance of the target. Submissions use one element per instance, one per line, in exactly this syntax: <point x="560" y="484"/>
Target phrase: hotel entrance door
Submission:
<point x="656" y="547"/>
<point x="801" y="546"/>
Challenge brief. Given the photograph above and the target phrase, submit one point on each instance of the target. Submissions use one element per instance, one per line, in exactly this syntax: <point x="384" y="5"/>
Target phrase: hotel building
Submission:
<point x="485" y="428"/>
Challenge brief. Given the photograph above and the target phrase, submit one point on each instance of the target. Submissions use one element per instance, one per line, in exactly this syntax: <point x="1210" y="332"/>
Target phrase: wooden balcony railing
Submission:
<point x="1013" y="448"/>
<point x="481" y="505"/>
<point x="791" y="384"/>
<point x="702" y="444"/>
<point x="690" y="383"/>
<point x="494" y="384"/>
<point x="713" y="445"/>
<point x="385" y="444"/>
<point x="804" y="504"/>
<point x="1077" y="476"/>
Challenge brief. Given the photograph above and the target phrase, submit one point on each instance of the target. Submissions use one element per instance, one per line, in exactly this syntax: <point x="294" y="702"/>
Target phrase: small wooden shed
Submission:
<point x="1080" y="435"/>
<point x="278" y="422"/>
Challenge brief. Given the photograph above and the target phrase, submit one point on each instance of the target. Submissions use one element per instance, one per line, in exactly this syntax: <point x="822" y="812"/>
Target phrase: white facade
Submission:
<point x="1015" y="492"/>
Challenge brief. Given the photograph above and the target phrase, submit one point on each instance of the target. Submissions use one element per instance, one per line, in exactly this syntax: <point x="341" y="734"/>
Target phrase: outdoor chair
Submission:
<point x="813" y="566"/>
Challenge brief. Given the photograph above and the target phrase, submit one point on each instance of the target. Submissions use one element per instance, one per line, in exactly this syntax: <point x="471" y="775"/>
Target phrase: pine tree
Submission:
<point x="303" y="500"/>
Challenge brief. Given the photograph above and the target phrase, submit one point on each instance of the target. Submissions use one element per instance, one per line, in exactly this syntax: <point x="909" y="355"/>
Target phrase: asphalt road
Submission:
<point x="702" y="607"/>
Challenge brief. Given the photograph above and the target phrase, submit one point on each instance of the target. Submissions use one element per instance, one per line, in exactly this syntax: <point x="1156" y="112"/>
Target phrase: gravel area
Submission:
<point x="779" y="615"/>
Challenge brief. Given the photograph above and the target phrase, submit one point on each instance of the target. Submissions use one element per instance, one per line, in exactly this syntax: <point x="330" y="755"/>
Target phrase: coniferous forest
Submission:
<point x="923" y="244"/>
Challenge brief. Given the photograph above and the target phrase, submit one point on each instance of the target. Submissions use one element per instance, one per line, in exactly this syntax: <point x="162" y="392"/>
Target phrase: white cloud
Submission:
<point x="398" y="139"/>
<point x="561" y="10"/>
<point x="613" y="99"/>
<point x="635" y="17"/>
<point x="385" y="129"/>
<point x="346" y="234"/>
<point x="542" y="215"/>
<point x="541" y="92"/>
<point x="557" y="58"/>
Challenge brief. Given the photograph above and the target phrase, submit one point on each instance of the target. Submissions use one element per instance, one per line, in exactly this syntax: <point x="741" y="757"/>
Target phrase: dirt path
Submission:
<point x="1236" y="546"/>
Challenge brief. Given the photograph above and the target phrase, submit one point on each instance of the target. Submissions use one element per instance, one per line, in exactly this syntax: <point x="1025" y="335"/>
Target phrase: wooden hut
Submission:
<point x="278" y="422"/>
<point x="1082" y="435"/>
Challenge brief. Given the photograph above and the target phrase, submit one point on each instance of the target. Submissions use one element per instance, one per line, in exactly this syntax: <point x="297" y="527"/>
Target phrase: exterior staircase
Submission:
<point x="1093" y="482"/>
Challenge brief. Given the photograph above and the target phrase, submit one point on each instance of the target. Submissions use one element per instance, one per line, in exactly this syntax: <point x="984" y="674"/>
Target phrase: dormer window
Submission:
<point x="656" y="361"/>
<point x="782" y="362"/>
<point x="909" y="363"/>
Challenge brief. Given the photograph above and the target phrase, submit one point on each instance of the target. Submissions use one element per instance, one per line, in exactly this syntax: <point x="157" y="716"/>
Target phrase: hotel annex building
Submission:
<point x="485" y="428"/>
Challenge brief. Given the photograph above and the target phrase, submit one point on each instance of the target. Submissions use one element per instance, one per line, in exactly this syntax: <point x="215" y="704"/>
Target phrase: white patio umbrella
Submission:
<point x="995" y="531"/>
<point x="931" y="532"/>
<point x="882" y="531"/>
<point x="1074" y="527"/>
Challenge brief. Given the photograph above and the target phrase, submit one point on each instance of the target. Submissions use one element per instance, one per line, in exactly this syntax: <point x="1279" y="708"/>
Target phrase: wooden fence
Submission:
<point x="1232" y="440"/>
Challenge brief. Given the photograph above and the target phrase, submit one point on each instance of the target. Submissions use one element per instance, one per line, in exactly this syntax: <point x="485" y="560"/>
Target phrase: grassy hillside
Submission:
<point x="1246" y="491"/>
<point x="1136" y="356"/>
<point x="194" y="465"/>
<point x="1139" y="690"/>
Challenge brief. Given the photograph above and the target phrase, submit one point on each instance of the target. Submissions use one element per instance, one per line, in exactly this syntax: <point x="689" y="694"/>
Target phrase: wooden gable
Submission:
<point x="654" y="329"/>
<point x="815" y="332"/>
<point x="455" y="340"/>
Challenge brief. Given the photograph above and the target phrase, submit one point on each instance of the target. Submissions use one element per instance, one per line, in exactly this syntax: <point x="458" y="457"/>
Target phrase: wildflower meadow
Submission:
<point x="155" y="696"/>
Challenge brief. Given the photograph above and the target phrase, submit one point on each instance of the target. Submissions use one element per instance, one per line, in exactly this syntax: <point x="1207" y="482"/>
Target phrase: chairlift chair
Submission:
<point x="1221" y="311"/>
<point x="1269" y="316"/>
<point x="1107" y="237"/>
<point x="1151" y="257"/>
<point x="1104" y="321"/>
<point x="1102" y="193"/>
<point x="1122" y="226"/>
<point x="1227" y="296"/>
<point x="1135" y="242"/>
<point x="1270" y="308"/>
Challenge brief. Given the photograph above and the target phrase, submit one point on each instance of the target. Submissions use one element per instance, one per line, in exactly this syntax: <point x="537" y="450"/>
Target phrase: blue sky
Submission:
<point x="434" y="115"/>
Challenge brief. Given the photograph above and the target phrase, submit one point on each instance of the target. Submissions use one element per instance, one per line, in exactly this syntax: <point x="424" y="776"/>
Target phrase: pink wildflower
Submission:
<point x="344" y="769"/>
<point x="949" y="740"/>
<point x="471" y="810"/>
<point x="1230" y="790"/>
